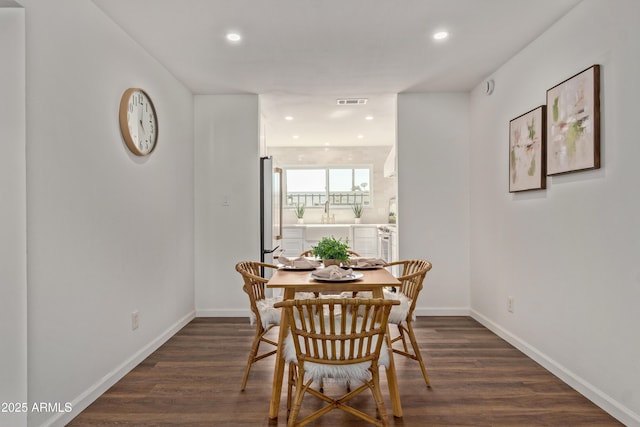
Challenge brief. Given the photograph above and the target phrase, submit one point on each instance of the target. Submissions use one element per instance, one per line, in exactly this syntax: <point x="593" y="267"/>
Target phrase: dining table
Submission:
<point x="292" y="281"/>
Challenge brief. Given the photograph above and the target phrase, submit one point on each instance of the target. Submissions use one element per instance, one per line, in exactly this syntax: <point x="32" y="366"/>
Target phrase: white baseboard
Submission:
<point x="216" y="312"/>
<point x="604" y="401"/>
<point x="82" y="401"/>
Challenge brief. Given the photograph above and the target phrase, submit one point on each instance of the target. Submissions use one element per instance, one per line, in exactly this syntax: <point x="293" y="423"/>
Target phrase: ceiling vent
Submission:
<point x="352" y="101"/>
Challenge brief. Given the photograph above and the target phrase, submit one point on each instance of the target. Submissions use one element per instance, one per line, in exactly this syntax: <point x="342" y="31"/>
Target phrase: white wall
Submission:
<point x="568" y="255"/>
<point x="13" y="211"/>
<point x="227" y="200"/>
<point x="433" y="196"/>
<point x="107" y="232"/>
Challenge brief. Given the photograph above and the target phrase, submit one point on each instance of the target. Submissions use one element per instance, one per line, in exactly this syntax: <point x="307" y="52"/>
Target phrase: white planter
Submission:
<point x="357" y="220"/>
<point x="300" y="220"/>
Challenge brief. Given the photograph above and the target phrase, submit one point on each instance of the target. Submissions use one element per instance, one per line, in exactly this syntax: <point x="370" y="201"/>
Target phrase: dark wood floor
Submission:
<point x="477" y="380"/>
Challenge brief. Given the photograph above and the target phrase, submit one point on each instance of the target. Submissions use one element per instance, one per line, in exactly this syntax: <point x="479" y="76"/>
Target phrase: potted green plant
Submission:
<point x="357" y="212"/>
<point x="332" y="251"/>
<point x="300" y="213"/>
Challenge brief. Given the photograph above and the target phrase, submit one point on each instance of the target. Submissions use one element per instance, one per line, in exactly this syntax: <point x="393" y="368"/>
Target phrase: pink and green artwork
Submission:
<point x="527" y="151"/>
<point x="573" y="123"/>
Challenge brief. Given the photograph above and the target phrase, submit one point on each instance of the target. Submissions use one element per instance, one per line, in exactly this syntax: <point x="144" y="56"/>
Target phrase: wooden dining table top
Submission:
<point x="302" y="281"/>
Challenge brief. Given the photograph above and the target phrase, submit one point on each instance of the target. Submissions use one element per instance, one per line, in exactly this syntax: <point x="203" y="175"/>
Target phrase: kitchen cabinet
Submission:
<point x="365" y="240"/>
<point x="393" y="250"/>
<point x="393" y="237"/>
<point x="292" y="241"/>
<point x="362" y="238"/>
<point x="313" y="233"/>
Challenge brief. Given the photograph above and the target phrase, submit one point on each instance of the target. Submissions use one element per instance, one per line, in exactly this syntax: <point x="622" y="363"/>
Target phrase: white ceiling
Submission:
<point x="300" y="55"/>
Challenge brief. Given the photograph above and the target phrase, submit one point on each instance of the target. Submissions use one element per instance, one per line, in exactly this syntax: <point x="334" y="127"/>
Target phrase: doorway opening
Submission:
<point x="335" y="153"/>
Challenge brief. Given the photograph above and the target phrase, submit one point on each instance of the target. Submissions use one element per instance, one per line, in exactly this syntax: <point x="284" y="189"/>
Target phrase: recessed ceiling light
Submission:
<point x="296" y="136"/>
<point x="440" y="35"/>
<point x="369" y="118"/>
<point x="360" y="136"/>
<point x="234" y="37"/>
<point x="288" y="118"/>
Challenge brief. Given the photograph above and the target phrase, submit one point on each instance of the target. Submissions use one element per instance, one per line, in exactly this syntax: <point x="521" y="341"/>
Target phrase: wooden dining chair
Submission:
<point x="411" y="283"/>
<point x="327" y="341"/>
<point x="263" y="313"/>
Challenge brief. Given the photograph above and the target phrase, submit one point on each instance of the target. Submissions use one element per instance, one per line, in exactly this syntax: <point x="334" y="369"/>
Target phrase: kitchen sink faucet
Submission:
<point x="326" y="218"/>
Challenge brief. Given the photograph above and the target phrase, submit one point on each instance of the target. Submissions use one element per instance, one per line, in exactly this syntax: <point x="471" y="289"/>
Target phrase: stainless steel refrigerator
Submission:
<point x="270" y="210"/>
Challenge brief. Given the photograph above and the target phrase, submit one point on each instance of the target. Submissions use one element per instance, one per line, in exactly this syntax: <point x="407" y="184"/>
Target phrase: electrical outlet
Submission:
<point x="135" y="320"/>
<point x="510" y="303"/>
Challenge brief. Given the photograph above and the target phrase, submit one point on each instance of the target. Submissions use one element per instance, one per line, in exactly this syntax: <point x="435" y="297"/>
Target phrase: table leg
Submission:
<point x="392" y="379"/>
<point x="278" y="374"/>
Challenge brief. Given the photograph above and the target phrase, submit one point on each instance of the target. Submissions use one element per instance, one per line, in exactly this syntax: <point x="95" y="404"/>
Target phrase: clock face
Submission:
<point x="138" y="121"/>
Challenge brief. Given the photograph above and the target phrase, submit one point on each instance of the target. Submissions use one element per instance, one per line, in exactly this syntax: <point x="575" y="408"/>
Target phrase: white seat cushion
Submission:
<point x="268" y="313"/>
<point x="400" y="312"/>
<point x="318" y="371"/>
<point x="271" y="315"/>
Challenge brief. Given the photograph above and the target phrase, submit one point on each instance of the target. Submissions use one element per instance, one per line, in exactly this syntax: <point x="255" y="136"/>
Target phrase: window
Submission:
<point x="341" y="186"/>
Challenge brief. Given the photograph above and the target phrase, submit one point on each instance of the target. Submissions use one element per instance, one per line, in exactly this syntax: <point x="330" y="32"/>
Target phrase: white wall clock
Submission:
<point x="138" y="121"/>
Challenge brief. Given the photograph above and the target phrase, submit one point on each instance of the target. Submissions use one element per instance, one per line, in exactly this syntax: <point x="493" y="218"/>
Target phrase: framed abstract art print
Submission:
<point x="573" y="123"/>
<point x="527" y="162"/>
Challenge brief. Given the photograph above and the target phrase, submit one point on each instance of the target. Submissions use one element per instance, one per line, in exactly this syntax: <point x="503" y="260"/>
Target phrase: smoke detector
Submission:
<point x="352" y="101"/>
